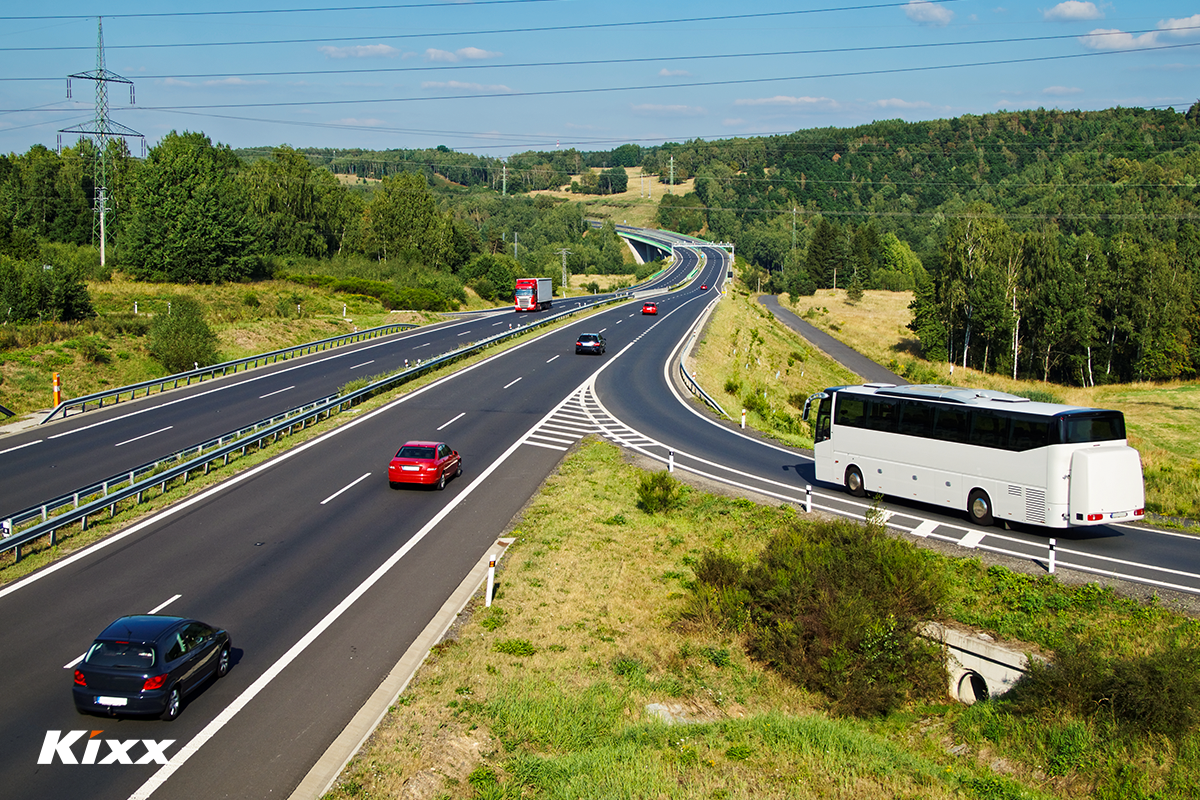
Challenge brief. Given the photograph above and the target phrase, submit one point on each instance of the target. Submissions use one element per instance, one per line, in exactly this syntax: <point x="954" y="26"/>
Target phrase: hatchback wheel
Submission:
<point x="174" y="704"/>
<point x="223" y="662"/>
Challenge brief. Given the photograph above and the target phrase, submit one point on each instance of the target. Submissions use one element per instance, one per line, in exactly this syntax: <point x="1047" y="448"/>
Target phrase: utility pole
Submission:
<point x="564" y="253"/>
<point x="514" y="245"/>
<point x="103" y="129"/>
<point x="504" y="183"/>
<point x="672" y="174"/>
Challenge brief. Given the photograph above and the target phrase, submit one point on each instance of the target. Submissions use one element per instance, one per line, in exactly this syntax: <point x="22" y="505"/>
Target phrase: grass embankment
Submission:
<point x="747" y="359"/>
<point x="546" y="694"/>
<point x="744" y="349"/>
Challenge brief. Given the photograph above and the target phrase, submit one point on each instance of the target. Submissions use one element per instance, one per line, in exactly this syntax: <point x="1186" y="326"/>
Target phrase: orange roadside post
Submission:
<point x="57" y="391"/>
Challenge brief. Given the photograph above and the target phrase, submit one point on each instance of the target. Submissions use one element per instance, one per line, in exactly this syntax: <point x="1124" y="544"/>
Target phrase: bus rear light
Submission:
<point x="1095" y="517"/>
<point x="1139" y="512"/>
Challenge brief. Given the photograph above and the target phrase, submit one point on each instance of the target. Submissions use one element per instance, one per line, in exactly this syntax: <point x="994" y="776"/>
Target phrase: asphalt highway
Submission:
<point x="65" y="455"/>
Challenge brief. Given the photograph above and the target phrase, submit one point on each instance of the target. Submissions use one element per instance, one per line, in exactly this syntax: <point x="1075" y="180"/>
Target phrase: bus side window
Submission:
<point x="882" y="414"/>
<point x="851" y="411"/>
<point x="824" y="412"/>
<point x="1029" y="433"/>
<point x="988" y="429"/>
<point x="951" y="424"/>
<point x="916" y="419"/>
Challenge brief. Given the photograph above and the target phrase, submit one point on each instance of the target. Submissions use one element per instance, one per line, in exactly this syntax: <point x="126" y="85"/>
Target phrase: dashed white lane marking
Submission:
<point x="143" y="436"/>
<point x="558" y="356"/>
<point x="350" y="485"/>
<point x="511" y="383"/>
<point x="972" y="539"/>
<point x="925" y="528"/>
<point x="456" y="419"/>
<point x="36" y="441"/>
<point x="363" y="364"/>
<point x="272" y="394"/>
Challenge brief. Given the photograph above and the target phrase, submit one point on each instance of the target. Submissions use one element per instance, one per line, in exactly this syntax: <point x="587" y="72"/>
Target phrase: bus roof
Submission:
<point x="980" y="398"/>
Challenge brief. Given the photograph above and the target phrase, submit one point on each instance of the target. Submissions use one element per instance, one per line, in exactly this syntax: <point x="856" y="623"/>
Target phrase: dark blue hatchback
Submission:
<point x="146" y="665"/>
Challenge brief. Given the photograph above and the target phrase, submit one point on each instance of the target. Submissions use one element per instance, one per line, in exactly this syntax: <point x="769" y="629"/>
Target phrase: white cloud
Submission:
<point x="1061" y="91"/>
<point x="360" y="51"/>
<point x="650" y="109"/>
<point x="177" y="82"/>
<point x="674" y="73"/>
<point x="234" y="82"/>
<point x="462" y="54"/>
<point x="1073" y="10"/>
<point x="896" y="102"/>
<point x="355" y="122"/>
<point x="1114" y="39"/>
<point x="462" y="86"/>
<point x="784" y="100"/>
<point x="924" y="12"/>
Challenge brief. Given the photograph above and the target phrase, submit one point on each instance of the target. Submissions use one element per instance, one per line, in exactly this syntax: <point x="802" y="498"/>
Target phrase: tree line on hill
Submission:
<point x="1048" y="244"/>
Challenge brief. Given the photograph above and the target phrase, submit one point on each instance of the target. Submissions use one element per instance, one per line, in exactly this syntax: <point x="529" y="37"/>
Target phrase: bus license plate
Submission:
<point x="1119" y="514"/>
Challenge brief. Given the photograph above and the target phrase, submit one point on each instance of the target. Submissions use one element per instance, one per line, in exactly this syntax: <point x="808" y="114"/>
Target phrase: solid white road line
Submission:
<point x="456" y="419"/>
<point x="350" y="485"/>
<point x="154" y="610"/>
<point x="35" y="441"/>
<point x="143" y="436"/>
<point x="279" y="391"/>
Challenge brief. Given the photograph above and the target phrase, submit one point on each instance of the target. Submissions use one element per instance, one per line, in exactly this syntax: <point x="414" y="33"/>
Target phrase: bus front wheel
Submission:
<point x="979" y="508"/>
<point x="854" y="482"/>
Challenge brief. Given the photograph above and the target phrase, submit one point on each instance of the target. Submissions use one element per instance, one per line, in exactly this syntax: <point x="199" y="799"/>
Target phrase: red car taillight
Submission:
<point x="80" y="680"/>
<point x="154" y="683"/>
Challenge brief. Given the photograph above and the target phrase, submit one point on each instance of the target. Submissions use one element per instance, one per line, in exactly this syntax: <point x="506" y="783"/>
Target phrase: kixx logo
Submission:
<point x="120" y="751"/>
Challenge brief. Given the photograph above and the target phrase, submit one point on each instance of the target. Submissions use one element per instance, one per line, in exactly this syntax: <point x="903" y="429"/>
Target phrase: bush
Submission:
<point x="835" y="607"/>
<point x="733" y="386"/>
<point x="181" y="339"/>
<point x="659" y="491"/>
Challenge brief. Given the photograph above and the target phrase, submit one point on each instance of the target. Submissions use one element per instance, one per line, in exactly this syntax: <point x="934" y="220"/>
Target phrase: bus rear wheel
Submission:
<point x="979" y="508"/>
<point x="854" y="481"/>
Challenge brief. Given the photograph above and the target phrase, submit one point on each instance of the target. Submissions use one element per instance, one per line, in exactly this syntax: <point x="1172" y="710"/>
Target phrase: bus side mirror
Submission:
<point x="808" y="403"/>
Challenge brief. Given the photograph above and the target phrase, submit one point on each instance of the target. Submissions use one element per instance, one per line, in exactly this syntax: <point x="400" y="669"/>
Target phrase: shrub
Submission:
<point x="181" y="339"/>
<point x="733" y="386"/>
<point x="515" y="647"/>
<point x="658" y="491"/>
<point x="835" y="607"/>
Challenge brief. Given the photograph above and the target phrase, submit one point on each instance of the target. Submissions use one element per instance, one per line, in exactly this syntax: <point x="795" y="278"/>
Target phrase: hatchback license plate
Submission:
<point x="111" y="701"/>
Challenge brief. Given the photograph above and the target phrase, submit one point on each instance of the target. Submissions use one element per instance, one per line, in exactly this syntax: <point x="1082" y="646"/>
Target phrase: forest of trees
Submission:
<point x="1058" y="245"/>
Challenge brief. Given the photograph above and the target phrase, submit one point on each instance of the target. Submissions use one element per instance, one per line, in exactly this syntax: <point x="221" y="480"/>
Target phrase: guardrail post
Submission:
<point x="1052" y="543"/>
<point x="76" y="496"/>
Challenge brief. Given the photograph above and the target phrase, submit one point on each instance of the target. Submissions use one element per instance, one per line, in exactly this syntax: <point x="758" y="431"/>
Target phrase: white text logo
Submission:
<point x="115" y="751"/>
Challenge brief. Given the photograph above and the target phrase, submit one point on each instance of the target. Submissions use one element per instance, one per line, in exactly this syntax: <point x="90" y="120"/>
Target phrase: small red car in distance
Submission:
<point x="649" y="308"/>
<point x="704" y="287"/>
<point x="424" y="463"/>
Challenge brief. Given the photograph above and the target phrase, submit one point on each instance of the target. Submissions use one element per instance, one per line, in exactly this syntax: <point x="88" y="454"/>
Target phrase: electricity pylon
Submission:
<point x="102" y="129"/>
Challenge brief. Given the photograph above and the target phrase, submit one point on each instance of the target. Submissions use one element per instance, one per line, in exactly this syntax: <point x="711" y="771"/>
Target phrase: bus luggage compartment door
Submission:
<point x="1106" y="486"/>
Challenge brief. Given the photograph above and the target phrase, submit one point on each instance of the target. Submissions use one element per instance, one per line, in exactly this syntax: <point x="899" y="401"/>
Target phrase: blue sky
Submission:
<point x="510" y="75"/>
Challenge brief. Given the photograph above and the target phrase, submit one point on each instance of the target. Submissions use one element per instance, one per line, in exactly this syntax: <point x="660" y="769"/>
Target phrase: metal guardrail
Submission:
<point x="14" y="539"/>
<point x="52" y="507"/>
<point x="223" y="368"/>
<point x="688" y="380"/>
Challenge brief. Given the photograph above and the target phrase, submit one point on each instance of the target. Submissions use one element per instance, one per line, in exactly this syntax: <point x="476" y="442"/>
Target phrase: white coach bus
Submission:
<point x="999" y="456"/>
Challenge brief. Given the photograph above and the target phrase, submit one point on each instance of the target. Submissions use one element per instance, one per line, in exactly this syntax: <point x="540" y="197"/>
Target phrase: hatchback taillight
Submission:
<point x="154" y="683"/>
<point x="80" y="680"/>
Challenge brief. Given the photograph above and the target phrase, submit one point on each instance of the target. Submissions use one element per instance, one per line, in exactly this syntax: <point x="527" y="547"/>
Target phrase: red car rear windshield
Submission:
<point x="415" y="452"/>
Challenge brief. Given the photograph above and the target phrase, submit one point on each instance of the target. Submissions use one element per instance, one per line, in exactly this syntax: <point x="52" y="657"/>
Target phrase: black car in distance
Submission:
<point x="589" y="343"/>
<point x="146" y="664"/>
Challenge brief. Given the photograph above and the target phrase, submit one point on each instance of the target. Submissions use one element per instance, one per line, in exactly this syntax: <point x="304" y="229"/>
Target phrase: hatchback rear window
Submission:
<point x="588" y="337"/>
<point x="126" y="655"/>
<point x="415" y="452"/>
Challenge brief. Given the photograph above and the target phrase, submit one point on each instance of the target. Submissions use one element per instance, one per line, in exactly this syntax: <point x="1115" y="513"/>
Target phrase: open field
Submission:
<point x="1163" y="419"/>
<point x="546" y="694"/>
<point x="637" y="205"/>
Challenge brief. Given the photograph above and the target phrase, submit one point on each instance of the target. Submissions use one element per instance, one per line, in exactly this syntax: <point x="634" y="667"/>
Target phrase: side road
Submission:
<point x="842" y="353"/>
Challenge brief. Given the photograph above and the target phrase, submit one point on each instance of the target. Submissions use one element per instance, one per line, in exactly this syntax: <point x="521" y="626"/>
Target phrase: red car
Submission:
<point x="704" y="287"/>
<point x="649" y="308"/>
<point x="425" y="463"/>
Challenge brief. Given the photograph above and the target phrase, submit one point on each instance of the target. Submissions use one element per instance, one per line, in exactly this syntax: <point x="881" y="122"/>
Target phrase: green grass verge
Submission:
<point x="546" y="694"/>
